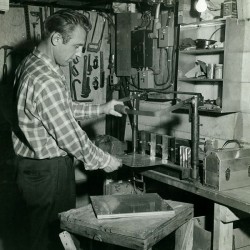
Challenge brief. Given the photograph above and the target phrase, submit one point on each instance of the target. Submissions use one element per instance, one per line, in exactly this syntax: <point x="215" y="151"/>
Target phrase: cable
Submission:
<point x="215" y="32"/>
<point x="145" y="20"/>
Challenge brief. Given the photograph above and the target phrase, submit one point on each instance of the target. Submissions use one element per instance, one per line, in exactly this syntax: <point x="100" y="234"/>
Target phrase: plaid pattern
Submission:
<point x="47" y="116"/>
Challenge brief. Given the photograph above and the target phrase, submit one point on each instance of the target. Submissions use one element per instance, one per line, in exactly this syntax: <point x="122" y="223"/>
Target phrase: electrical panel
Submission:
<point x="125" y="22"/>
<point x="141" y="49"/>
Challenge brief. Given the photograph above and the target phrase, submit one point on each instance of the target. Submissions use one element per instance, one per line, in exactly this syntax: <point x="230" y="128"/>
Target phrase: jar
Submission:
<point x="218" y="71"/>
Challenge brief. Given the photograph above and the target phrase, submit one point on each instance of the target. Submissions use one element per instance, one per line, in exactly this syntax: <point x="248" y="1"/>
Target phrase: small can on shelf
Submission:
<point x="210" y="70"/>
<point x="218" y="71"/>
<point x="229" y="8"/>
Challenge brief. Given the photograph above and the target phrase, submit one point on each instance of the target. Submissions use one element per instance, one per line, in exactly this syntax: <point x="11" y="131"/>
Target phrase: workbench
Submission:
<point x="229" y="206"/>
<point x="140" y="233"/>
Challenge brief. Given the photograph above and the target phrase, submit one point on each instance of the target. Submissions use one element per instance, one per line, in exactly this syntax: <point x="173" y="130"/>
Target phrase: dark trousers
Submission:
<point x="48" y="188"/>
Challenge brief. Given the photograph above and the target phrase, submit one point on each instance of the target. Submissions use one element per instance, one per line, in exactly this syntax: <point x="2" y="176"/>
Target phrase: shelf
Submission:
<point x="220" y="21"/>
<point x="204" y="111"/>
<point x="202" y="51"/>
<point x="197" y="80"/>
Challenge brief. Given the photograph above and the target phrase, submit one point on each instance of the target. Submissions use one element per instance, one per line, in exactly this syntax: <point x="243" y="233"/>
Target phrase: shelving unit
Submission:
<point x="226" y="97"/>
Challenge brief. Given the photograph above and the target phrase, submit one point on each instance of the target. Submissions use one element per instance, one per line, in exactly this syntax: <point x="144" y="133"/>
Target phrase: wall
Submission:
<point x="13" y="33"/>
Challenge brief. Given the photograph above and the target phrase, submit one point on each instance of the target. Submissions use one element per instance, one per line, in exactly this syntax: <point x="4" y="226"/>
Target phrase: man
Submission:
<point x="48" y="135"/>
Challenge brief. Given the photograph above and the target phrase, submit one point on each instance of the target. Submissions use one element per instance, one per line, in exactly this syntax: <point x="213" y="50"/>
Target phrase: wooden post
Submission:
<point x="223" y="227"/>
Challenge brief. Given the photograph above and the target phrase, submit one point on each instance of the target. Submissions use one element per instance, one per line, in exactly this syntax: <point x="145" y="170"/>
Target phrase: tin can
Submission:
<point x="229" y="8"/>
<point x="210" y="70"/>
<point x="218" y="71"/>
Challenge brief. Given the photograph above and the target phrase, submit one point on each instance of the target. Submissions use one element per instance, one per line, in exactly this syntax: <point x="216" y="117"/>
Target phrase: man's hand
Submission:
<point x="114" y="164"/>
<point x="108" y="108"/>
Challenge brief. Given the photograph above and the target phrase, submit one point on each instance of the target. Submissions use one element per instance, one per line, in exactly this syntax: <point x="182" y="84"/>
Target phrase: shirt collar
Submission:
<point x="49" y="62"/>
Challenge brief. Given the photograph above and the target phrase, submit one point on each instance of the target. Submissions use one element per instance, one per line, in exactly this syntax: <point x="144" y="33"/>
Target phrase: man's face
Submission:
<point x="64" y="53"/>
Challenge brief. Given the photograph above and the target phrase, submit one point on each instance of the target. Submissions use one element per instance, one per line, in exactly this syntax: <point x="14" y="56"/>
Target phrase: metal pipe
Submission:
<point x="136" y="104"/>
<point x="195" y="135"/>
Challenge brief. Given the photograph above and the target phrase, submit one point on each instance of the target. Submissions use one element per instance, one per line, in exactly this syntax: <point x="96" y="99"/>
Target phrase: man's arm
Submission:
<point x="83" y="110"/>
<point x="60" y="123"/>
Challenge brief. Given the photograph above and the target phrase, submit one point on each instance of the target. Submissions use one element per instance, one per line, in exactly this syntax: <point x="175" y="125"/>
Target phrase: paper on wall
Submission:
<point x="4" y="5"/>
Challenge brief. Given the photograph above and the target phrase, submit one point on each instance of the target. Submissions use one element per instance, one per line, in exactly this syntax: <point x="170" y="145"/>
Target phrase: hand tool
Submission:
<point x="34" y="24"/>
<point x="85" y="80"/>
<point x="70" y="82"/>
<point x="76" y="60"/>
<point x="102" y="72"/>
<point x="125" y="110"/>
<point x="95" y="47"/>
<point x="74" y="71"/>
<point x="111" y="68"/>
<point x="84" y="46"/>
<point x="95" y="83"/>
<point x="89" y="66"/>
<point x="74" y="88"/>
<point x="5" y="68"/>
<point x="41" y="22"/>
<point x="27" y="22"/>
<point x="95" y="62"/>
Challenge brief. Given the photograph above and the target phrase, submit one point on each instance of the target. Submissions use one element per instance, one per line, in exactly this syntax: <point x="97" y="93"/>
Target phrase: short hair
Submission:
<point x="64" y="22"/>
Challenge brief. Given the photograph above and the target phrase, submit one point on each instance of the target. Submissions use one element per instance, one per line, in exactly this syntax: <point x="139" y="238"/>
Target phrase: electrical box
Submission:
<point x="141" y="49"/>
<point x="146" y="79"/>
<point x="166" y="32"/>
<point x="125" y="22"/>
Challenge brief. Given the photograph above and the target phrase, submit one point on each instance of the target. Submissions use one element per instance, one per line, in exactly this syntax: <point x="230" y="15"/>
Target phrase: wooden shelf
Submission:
<point x="220" y="21"/>
<point x="197" y="80"/>
<point x="202" y="51"/>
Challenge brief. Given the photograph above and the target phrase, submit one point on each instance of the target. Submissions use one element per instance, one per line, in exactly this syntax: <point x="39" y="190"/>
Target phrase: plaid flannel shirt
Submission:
<point x="47" y="116"/>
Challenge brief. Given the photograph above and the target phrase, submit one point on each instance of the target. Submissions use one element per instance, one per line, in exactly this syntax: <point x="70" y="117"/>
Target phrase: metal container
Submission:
<point x="227" y="168"/>
<point x="210" y="71"/>
<point x="204" y="43"/>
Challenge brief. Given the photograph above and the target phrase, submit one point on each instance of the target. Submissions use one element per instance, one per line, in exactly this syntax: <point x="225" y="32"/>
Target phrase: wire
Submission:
<point x="108" y="17"/>
<point x="215" y="32"/>
<point x="145" y="20"/>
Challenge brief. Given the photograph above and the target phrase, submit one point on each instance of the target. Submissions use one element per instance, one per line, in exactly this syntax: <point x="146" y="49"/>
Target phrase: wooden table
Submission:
<point x="230" y="205"/>
<point x="135" y="233"/>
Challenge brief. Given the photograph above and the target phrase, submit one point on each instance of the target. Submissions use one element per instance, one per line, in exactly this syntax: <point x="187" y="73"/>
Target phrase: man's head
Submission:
<point x="66" y="31"/>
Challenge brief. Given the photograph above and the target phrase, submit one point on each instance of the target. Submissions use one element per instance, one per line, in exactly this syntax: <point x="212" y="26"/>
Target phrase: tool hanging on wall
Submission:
<point x="95" y="83"/>
<point x="95" y="47"/>
<point x="5" y="67"/>
<point x="76" y="60"/>
<point x="70" y="81"/>
<point x="74" y="87"/>
<point x="95" y="62"/>
<point x="85" y="43"/>
<point x="102" y="72"/>
<point x="74" y="71"/>
<point x="89" y="65"/>
<point x="85" y="80"/>
<point x="41" y="22"/>
<point x="36" y="37"/>
<point x="27" y="22"/>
